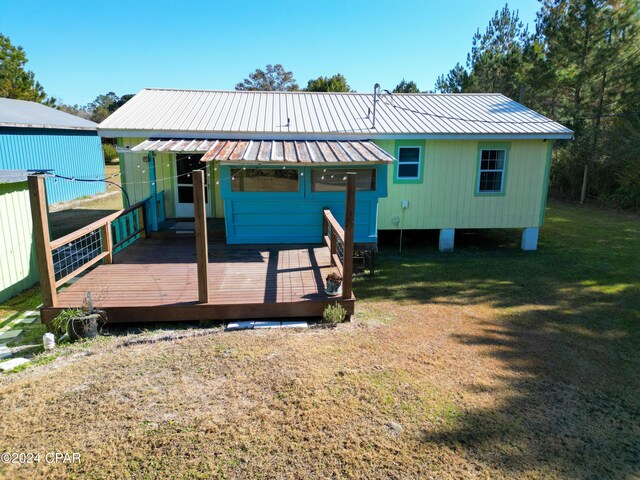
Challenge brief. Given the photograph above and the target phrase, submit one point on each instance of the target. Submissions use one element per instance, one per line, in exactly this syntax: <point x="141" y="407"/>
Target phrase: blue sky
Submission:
<point x="81" y="48"/>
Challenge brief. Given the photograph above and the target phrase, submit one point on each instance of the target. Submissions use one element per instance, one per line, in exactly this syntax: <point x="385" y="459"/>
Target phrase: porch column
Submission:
<point x="202" y="250"/>
<point x="40" y="217"/>
<point x="153" y="211"/>
<point x="349" y="232"/>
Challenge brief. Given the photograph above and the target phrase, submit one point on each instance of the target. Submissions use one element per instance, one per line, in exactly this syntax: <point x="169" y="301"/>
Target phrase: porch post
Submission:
<point x="349" y="231"/>
<point x="39" y="214"/>
<point x="153" y="211"/>
<point x="202" y="251"/>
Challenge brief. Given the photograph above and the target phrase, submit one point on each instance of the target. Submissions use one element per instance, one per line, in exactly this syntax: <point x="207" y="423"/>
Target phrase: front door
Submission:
<point x="185" y="164"/>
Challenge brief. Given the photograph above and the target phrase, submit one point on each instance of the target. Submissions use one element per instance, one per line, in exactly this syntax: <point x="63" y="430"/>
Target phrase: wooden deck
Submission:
<point x="156" y="280"/>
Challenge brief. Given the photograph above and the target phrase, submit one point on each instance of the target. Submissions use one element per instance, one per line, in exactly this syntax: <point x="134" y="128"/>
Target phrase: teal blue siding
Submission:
<point x="71" y="153"/>
<point x="258" y="217"/>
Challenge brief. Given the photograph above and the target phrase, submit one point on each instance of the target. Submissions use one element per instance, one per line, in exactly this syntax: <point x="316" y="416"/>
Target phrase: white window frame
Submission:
<point x="417" y="177"/>
<point x="503" y="170"/>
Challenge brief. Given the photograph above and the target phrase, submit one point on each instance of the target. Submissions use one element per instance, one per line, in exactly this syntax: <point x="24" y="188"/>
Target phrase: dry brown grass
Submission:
<point x="312" y="404"/>
<point x="482" y="386"/>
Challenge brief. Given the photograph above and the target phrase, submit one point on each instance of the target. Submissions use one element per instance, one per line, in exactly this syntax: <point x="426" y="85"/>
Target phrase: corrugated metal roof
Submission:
<point x="273" y="151"/>
<point x="16" y="176"/>
<point x="20" y="113"/>
<point x="328" y="115"/>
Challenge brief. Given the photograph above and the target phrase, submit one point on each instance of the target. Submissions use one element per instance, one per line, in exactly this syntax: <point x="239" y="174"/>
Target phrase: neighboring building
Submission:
<point x="36" y="137"/>
<point x="18" y="265"/>
<point x="275" y="159"/>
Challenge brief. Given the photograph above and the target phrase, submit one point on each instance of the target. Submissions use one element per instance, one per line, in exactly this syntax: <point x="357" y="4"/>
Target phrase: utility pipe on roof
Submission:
<point x="376" y="89"/>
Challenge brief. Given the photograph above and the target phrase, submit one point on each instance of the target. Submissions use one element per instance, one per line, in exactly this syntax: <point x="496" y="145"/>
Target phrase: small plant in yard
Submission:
<point x="334" y="282"/>
<point x="59" y="324"/>
<point x="79" y="322"/>
<point x="334" y="314"/>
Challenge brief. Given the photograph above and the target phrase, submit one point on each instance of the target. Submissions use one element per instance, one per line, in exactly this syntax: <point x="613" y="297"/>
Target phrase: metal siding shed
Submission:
<point x="36" y="137"/>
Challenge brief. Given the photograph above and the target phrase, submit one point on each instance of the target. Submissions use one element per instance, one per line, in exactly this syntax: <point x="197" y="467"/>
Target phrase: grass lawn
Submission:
<point x="485" y="363"/>
<point x="70" y="216"/>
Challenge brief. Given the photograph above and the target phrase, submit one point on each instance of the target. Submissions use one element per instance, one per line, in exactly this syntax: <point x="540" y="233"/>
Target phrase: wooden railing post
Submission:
<point x="349" y="232"/>
<point x="202" y="252"/>
<point x="107" y="242"/>
<point x="39" y="214"/>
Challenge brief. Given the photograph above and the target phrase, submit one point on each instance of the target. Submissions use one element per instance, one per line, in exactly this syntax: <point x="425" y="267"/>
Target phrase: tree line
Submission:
<point x="580" y="66"/>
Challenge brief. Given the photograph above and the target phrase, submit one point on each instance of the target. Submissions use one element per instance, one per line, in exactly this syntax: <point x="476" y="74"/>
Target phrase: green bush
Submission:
<point x="109" y="152"/>
<point x="59" y="324"/>
<point x="334" y="314"/>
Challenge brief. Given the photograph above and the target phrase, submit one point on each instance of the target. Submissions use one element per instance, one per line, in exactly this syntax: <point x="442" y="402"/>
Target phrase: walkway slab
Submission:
<point x="266" y="324"/>
<point x="4" y="352"/>
<point x="298" y="324"/>
<point x="242" y="325"/>
<point x="13" y="363"/>
<point x="10" y="334"/>
<point x="28" y="320"/>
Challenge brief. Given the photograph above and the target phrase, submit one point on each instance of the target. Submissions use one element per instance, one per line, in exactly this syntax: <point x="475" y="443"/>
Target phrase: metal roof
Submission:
<point x="23" y="114"/>
<point x="273" y="151"/>
<point x="319" y="115"/>
<point x="17" y="176"/>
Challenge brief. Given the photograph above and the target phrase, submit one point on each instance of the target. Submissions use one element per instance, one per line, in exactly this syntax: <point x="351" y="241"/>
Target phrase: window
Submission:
<point x="264" y="180"/>
<point x="492" y="169"/>
<point x="408" y="163"/>
<point x="333" y="180"/>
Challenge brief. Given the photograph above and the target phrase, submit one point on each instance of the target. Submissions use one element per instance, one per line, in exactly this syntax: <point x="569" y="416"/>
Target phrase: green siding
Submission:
<point x="18" y="265"/>
<point x="136" y="179"/>
<point x="447" y="198"/>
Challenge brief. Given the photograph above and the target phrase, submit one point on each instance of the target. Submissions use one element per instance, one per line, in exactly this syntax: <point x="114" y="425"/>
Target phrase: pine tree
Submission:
<point x="15" y="81"/>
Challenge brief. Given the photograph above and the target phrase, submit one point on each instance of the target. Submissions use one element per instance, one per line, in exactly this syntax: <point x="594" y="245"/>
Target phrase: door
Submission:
<point x="185" y="164"/>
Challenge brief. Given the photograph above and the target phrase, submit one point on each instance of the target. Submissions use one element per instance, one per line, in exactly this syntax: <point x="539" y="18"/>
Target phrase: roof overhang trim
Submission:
<point x="272" y="151"/>
<point x="108" y="133"/>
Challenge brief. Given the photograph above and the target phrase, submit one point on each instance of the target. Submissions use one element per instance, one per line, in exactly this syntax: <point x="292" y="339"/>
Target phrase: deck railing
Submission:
<point x="334" y="239"/>
<point x="340" y="240"/>
<point x="66" y="257"/>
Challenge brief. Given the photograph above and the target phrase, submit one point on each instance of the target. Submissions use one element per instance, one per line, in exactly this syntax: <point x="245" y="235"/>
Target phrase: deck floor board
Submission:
<point x="156" y="273"/>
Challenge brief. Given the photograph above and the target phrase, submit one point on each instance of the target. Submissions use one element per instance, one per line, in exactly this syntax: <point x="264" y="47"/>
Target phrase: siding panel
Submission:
<point x="446" y="197"/>
<point x="18" y="266"/>
<point x="71" y="154"/>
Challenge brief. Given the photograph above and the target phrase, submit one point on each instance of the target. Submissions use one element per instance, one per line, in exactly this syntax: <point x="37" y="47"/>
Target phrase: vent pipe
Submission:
<point x="376" y="90"/>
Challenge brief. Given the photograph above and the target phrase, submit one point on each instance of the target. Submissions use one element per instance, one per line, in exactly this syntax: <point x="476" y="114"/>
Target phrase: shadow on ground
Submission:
<point x="567" y="333"/>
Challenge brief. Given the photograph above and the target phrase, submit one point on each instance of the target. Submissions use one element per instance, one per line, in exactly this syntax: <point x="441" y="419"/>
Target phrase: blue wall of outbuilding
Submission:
<point x="71" y="153"/>
<point x="296" y="217"/>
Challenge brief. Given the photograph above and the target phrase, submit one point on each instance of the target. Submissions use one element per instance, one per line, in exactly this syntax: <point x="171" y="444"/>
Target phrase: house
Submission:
<point x="274" y="160"/>
<point x="36" y="137"/>
<point x="299" y="181"/>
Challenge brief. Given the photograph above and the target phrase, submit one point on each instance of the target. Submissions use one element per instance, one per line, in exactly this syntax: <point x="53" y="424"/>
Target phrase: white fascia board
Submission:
<point x="108" y="133"/>
<point x="42" y="126"/>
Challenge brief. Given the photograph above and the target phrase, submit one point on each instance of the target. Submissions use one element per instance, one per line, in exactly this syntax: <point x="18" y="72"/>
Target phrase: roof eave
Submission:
<point x="50" y="127"/>
<point x="371" y="135"/>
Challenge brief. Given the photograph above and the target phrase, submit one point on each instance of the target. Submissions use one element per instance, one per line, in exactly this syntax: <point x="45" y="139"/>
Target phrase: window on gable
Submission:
<point x="492" y="169"/>
<point x="408" y="163"/>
